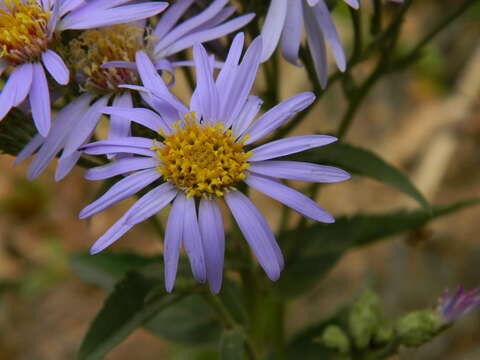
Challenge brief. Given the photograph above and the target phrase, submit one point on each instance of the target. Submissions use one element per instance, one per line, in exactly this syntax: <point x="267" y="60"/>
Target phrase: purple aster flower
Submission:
<point x="169" y="37"/>
<point x="201" y="158"/>
<point x="74" y="125"/>
<point x="286" y="27"/>
<point x="453" y="306"/>
<point x="28" y="29"/>
<point x="104" y="59"/>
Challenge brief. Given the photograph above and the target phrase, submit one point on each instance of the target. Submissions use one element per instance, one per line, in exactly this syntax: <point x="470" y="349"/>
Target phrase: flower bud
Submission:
<point x="418" y="328"/>
<point x="383" y="335"/>
<point x="365" y="319"/>
<point x="334" y="338"/>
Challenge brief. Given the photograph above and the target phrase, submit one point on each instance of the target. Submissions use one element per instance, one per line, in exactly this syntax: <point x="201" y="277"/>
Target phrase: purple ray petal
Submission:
<point x="206" y="93"/>
<point x="88" y="19"/>
<point x="150" y="203"/>
<point x="208" y="34"/>
<point x="16" y="88"/>
<point x="173" y="240"/>
<point x="292" y="32"/>
<point x="222" y="16"/>
<point x="65" y="165"/>
<point x="316" y="45"/>
<point x="278" y="115"/>
<point x="273" y="26"/>
<point x="188" y="25"/>
<point x="154" y="82"/>
<point x="20" y="81"/>
<point x="40" y="100"/>
<point x="96" y="149"/>
<point x="228" y="71"/>
<point x="244" y="79"/>
<point x="119" y="167"/>
<point x="289" y="146"/>
<point x="354" y="3"/>
<point x="120" y="64"/>
<point x="170" y="17"/>
<point x="246" y="116"/>
<point x="147" y="205"/>
<point x="130" y="141"/>
<point x="29" y="149"/>
<point x="121" y="190"/>
<point x="53" y="18"/>
<point x="257" y="233"/>
<point x="69" y="5"/>
<point x="141" y="116"/>
<point x="56" y="67"/>
<point x="301" y="171"/>
<point x="192" y="240"/>
<point x="63" y="122"/>
<point x="120" y="126"/>
<point x="112" y="235"/>
<point x="290" y="197"/>
<point x="325" y="22"/>
<point x="84" y="128"/>
<point x="213" y="237"/>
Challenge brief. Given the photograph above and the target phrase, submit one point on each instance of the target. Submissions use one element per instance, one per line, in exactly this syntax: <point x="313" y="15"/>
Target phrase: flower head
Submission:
<point x="23" y="31"/>
<point x="96" y="47"/>
<point x="284" y="22"/>
<point x="201" y="154"/>
<point x="28" y="30"/>
<point x="171" y="36"/>
<point x="454" y="306"/>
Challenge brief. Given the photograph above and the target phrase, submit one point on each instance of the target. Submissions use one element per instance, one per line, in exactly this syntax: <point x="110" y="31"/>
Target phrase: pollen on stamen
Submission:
<point x="95" y="48"/>
<point x="201" y="159"/>
<point x="23" y="31"/>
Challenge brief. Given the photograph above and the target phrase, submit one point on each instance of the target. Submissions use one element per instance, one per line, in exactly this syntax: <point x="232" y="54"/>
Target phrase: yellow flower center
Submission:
<point x="202" y="160"/>
<point x="23" y="31"/>
<point x="94" y="48"/>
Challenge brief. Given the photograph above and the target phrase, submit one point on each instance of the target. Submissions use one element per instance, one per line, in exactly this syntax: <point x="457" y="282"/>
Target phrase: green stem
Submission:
<point x="412" y="55"/>
<point x="358" y="95"/>
<point x="356" y="17"/>
<point x="377" y="18"/>
<point x="357" y="100"/>
<point x="279" y="331"/>
<point x="229" y="321"/>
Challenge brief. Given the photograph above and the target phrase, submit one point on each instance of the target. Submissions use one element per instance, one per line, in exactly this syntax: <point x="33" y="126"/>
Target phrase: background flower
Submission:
<point x="284" y="22"/>
<point x="27" y="33"/>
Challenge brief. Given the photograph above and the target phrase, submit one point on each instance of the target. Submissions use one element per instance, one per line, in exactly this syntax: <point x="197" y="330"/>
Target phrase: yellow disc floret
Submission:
<point x="94" y="48"/>
<point x="23" y="31"/>
<point x="202" y="160"/>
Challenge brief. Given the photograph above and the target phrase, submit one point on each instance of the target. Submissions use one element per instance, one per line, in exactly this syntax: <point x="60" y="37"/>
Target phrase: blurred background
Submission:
<point x="425" y="121"/>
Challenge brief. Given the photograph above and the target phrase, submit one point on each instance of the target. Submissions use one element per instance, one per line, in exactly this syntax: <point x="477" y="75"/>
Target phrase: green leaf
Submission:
<point x="323" y="245"/>
<point x="365" y="163"/>
<point x="16" y="130"/>
<point x="132" y="303"/>
<point x="105" y="269"/>
<point x="232" y="345"/>
<point x="189" y="322"/>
